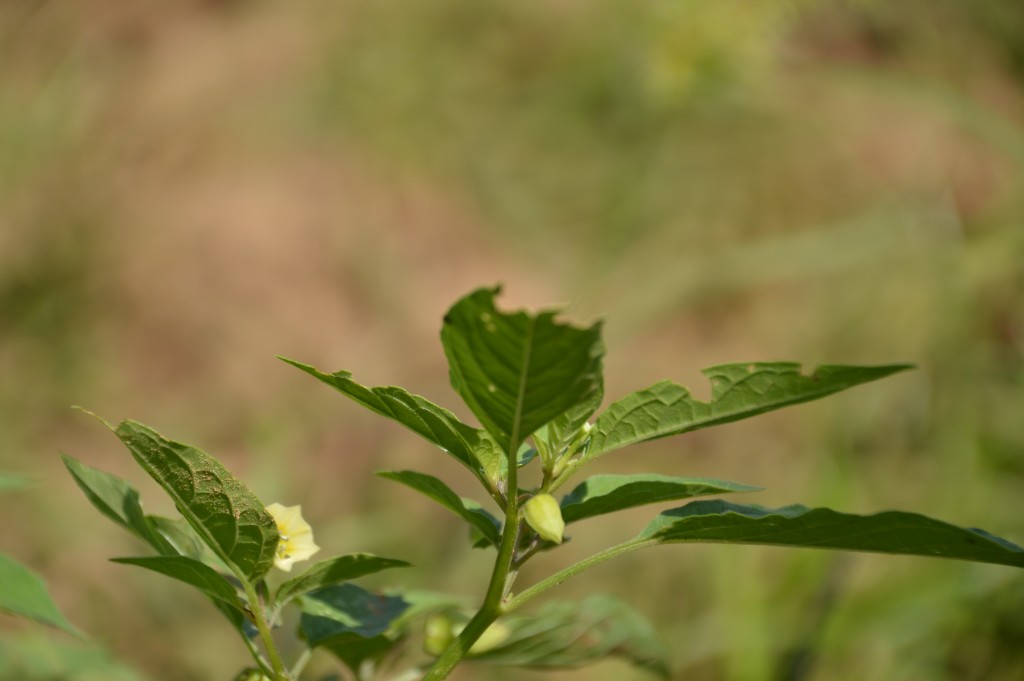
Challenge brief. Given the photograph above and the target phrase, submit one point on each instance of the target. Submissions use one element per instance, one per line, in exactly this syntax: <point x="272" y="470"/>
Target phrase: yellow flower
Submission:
<point x="296" y="541"/>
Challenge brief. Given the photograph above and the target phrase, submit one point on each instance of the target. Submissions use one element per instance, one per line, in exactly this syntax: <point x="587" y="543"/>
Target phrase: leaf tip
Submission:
<point x="94" y="415"/>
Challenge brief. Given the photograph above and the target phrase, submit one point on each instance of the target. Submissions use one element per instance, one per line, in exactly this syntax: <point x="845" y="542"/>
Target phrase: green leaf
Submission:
<point x="23" y="593"/>
<point x="118" y="500"/>
<point x="183" y="539"/>
<point x="226" y="515"/>
<point x="334" y="571"/>
<point x="437" y="425"/>
<point x="609" y="493"/>
<point x="338" y="615"/>
<point x="822" y="528"/>
<point x="566" y="635"/>
<point x="190" y="571"/>
<point x="494" y="462"/>
<point x="518" y="371"/>
<point x="738" y="391"/>
<point x="467" y="509"/>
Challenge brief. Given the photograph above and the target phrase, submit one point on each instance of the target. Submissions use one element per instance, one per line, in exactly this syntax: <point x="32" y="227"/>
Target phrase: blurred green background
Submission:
<point x="190" y="188"/>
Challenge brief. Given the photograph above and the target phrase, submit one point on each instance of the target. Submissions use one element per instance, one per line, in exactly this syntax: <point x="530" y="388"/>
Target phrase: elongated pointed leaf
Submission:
<point x="23" y="593"/>
<point x="568" y="635"/>
<point x="118" y="500"/>
<point x="609" y="493"/>
<point x="341" y="612"/>
<point x="226" y="515"/>
<point x="466" y="509"/>
<point x="518" y="371"/>
<point x="435" y="424"/>
<point x="822" y="528"/>
<point x="189" y="571"/>
<point x="334" y="571"/>
<point x="738" y="391"/>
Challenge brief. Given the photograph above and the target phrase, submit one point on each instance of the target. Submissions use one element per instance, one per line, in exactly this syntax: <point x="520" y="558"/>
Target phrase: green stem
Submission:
<point x="573" y="570"/>
<point x="256" y="607"/>
<point x="499" y="587"/>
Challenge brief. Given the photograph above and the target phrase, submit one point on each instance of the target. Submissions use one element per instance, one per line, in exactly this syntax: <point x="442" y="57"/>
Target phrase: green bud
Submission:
<point x="251" y="674"/>
<point x="439" y="632"/>
<point x="492" y="637"/>
<point x="543" y="514"/>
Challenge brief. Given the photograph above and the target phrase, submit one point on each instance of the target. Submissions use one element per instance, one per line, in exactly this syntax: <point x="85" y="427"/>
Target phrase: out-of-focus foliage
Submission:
<point x="188" y="189"/>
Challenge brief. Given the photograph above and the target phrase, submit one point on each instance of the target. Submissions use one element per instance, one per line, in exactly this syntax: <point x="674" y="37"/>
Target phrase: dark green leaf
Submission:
<point x="334" y="571"/>
<point x="609" y="493"/>
<point x="565" y="635"/>
<point x="190" y="571"/>
<point x="466" y="509"/>
<point x="118" y="500"/>
<point x="23" y="593"/>
<point x="518" y="371"/>
<point x="822" y="528"/>
<point x="738" y="391"/>
<point x="226" y="515"/>
<point x="339" y="613"/>
<point x="435" y="424"/>
<point x="354" y="650"/>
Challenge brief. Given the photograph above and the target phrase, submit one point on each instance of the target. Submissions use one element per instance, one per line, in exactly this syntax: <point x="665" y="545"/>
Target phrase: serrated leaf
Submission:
<point x="228" y="517"/>
<point x="602" y="494"/>
<point x="23" y="593"/>
<point x="339" y="613"/>
<point x="822" y="528"/>
<point x="189" y="571"/>
<point x="118" y="500"/>
<point x="436" y="424"/>
<point x="738" y="391"/>
<point x="568" y="635"/>
<point x="467" y="509"/>
<point x="518" y="371"/>
<point x="334" y="571"/>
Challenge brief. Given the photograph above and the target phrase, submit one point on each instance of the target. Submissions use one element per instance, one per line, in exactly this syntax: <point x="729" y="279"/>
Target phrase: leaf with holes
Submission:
<point x="518" y="371"/>
<point x="738" y="391"/>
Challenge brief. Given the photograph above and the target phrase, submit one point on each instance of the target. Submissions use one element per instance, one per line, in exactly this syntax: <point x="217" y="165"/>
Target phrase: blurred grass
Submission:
<point x="188" y="189"/>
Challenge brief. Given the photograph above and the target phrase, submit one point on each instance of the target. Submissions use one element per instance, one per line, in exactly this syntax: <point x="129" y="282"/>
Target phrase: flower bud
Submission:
<point x="439" y="632"/>
<point x="545" y="517"/>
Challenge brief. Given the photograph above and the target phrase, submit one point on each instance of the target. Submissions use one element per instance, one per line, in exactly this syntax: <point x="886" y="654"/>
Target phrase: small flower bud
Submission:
<point x="545" y="517"/>
<point x="439" y="632"/>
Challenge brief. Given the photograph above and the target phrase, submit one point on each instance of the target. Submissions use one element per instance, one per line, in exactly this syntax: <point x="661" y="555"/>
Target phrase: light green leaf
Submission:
<point x="184" y="540"/>
<point x="822" y="528"/>
<point x="609" y="493"/>
<point x="341" y="613"/>
<point x="226" y="515"/>
<point x="467" y="509"/>
<point x="437" y="425"/>
<point x="190" y="571"/>
<point x="518" y="371"/>
<point x="118" y="500"/>
<point x="567" y="635"/>
<point x="334" y="571"/>
<point x="23" y="593"/>
<point x="738" y="391"/>
<point x="494" y="462"/>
